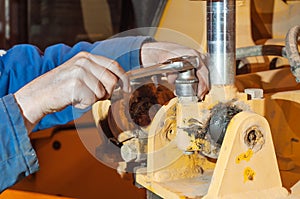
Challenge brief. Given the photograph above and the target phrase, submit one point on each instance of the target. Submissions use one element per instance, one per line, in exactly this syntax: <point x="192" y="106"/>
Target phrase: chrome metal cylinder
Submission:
<point x="221" y="41"/>
<point x="186" y="84"/>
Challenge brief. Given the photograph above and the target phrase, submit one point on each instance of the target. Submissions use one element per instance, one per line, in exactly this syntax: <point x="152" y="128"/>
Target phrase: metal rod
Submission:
<point x="221" y="41"/>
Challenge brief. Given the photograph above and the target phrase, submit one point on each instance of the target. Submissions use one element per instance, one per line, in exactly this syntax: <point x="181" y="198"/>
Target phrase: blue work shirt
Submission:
<point x="23" y="63"/>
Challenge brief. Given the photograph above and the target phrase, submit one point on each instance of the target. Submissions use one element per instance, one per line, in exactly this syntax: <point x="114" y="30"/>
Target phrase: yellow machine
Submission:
<point x="221" y="147"/>
<point x="240" y="141"/>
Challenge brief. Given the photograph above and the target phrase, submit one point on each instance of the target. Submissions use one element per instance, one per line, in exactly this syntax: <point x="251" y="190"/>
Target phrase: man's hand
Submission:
<point x="80" y="81"/>
<point x="158" y="52"/>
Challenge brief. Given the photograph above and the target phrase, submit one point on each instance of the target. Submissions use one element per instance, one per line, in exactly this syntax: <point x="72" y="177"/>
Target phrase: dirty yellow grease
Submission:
<point x="244" y="156"/>
<point x="248" y="174"/>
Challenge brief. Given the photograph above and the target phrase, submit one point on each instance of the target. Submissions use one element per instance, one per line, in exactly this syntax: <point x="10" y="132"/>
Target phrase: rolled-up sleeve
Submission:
<point x="17" y="157"/>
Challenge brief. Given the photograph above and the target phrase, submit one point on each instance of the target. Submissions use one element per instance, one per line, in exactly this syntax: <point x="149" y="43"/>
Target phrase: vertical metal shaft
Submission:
<point x="221" y="41"/>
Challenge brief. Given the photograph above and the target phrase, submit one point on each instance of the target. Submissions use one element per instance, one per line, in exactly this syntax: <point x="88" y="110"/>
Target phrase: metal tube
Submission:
<point x="186" y="84"/>
<point x="221" y="41"/>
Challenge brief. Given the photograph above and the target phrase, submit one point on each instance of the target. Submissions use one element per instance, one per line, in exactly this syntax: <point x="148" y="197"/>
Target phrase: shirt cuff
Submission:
<point x="28" y="155"/>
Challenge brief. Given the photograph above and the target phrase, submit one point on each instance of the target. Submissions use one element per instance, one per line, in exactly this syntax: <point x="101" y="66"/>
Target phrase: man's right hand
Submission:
<point x="80" y="82"/>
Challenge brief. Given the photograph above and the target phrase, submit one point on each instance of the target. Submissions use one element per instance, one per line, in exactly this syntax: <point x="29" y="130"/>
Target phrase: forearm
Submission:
<point x="23" y="63"/>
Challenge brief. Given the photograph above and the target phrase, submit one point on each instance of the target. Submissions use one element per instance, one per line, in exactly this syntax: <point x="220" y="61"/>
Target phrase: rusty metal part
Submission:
<point x="254" y="138"/>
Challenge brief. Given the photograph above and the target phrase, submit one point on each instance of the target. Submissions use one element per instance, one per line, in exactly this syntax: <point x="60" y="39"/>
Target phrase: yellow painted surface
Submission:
<point x="228" y="176"/>
<point x="280" y="109"/>
<point x="249" y="174"/>
<point x="187" y="19"/>
<point x="96" y="27"/>
<point x="184" y="22"/>
<point x="17" y="194"/>
<point x="245" y="156"/>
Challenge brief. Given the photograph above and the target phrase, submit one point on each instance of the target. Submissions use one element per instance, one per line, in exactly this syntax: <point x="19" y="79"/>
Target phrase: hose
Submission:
<point x="289" y="51"/>
<point x="260" y="50"/>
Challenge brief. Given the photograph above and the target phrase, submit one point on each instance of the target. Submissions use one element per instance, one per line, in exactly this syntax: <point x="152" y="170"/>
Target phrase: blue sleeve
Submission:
<point x="23" y="63"/>
<point x="17" y="157"/>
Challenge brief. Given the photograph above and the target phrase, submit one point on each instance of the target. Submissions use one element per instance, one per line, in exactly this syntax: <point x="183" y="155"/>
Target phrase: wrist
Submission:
<point x="29" y="110"/>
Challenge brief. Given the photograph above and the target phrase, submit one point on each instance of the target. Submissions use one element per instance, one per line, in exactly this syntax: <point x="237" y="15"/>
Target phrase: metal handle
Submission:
<point x="177" y="64"/>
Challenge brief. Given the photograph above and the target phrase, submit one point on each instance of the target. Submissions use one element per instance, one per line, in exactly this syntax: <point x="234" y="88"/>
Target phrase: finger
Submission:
<point x="203" y="61"/>
<point x="171" y="77"/>
<point x="101" y="73"/>
<point x="114" y="68"/>
<point x="84" y="99"/>
<point x="94" y="85"/>
<point x="203" y="86"/>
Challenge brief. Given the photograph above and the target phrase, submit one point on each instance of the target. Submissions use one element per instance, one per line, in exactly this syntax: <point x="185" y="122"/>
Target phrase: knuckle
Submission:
<point x="82" y="58"/>
<point x="115" y="64"/>
<point x="77" y="70"/>
<point x="83" y="54"/>
<point x="81" y="62"/>
<point x="76" y="83"/>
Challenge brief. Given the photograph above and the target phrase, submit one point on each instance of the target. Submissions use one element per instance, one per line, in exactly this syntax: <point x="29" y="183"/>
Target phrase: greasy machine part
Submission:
<point x="222" y="113"/>
<point x="207" y="133"/>
<point x="136" y="110"/>
<point x="146" y="101"/>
